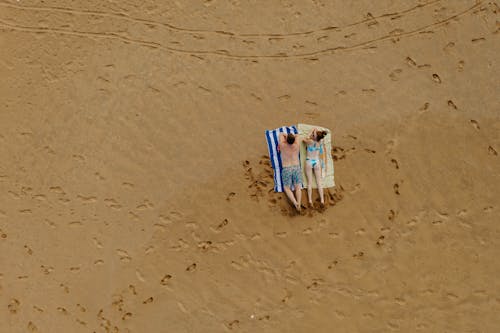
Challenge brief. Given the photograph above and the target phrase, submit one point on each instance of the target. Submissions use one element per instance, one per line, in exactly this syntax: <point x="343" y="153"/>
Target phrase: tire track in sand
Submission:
<point x="392" y="35"/>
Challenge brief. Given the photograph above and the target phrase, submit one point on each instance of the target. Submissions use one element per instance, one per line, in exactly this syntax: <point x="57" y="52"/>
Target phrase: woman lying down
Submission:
<point x="315" y="161"/>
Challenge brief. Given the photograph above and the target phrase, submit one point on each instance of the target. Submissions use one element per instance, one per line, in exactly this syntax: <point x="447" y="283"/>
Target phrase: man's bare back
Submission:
<point x="289" y="152"/>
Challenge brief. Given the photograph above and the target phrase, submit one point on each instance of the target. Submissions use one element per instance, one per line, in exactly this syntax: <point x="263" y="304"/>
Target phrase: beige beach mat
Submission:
<point x="328" y="179"/>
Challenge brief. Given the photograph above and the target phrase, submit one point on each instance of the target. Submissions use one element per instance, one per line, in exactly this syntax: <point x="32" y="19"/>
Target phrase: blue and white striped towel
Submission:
<point x="272" y="137"/>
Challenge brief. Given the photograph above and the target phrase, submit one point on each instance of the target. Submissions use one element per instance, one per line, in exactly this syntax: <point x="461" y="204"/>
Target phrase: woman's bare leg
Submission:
<point x="317" y="173"/>
<point x="290" y="196"/>
<point x="309" y="182"/>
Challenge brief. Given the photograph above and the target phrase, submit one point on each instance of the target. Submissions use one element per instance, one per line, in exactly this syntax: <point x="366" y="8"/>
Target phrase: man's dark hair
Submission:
<point x="290" y="138"/>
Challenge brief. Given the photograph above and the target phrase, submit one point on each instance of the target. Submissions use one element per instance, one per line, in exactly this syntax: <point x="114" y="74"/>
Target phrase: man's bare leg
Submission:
<point x="290" y="196"/>
<point x="317" y="173"/>
<point x="298" y="195"/>
<point x="309" y="182"/>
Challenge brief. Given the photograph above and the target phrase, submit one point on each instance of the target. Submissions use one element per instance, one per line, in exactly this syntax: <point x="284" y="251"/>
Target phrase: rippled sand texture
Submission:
<point x="136" y="192"/>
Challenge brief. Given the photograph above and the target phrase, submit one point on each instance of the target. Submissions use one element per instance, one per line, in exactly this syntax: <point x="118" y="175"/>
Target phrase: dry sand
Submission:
<point x="135" y="191"/>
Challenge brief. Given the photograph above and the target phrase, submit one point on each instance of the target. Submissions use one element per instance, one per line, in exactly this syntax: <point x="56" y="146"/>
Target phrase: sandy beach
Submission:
<point x="136" y="191"/>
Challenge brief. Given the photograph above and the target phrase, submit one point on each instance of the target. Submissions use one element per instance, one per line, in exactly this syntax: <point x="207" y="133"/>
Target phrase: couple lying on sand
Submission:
<point x="289" y="147"/>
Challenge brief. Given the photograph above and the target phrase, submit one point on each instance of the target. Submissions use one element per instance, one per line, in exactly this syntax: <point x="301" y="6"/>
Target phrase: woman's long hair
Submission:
<point x="320" y="135"/>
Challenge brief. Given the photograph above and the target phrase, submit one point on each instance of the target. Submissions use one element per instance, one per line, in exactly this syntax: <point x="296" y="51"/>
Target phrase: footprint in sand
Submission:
<point x="191" y="267"/>
<point x="425" y="107"/>
<point x="334" y="235"/>
<point x="396" y="188"/>
<point x="165" y="279"/>
<point x="436" y="78"/>
<point x="443" y="215"/>
<point x="392" y="215"/>
<point x="57" y="190"/>
<point x="40" y="197"/>
<point x="236" y="265"/>
<point x="380" y="240"/>
<point x="145" y="205"/>
<point x="13" y="306"/>
<point x="38" y="309"/>
<point x="360" y="232"/>
<point x="395" y="162"/>
<point x="284" y="97"/>
<point x="14" y="195"/>
<point x="333" y="264"/>
<point x="131" y="287"/>
<point x="221" y="225"/>
<point x="452" y="105"/>
<point x="148" y="300"/>
<point x="410" y="62"/>
<point x="81" y="308"/>
<point x="47" y="269"/>
<point x="492" y="151"/>
<point x="287" y="296"/>
<point x="149" y="249"/>
<point x="205" y="245"/>
<point x="128" y="185"/>
<point x="112" y="203"/>
<point x="475" y="124"/>
<point x="358" y="255"/>
<point x="394" y="75"/>
<point x="133" y="216"/>
<point x="370" y="19"/>
<point x="97" y="243"/>
<point x="368" y="315"/>
<point x="123" y="255"/>
<point x="32" y="327"/>
<point x="336" y="197"/>
<point x="126" y="315"/>
<point x="390" y="146"/>
<point x="139" y="276"/>
<point x="233" y="324"/>
<point x="412" y="222"/>
<point x="488" y="209"/>
<point x="338" y="153"/>
<point x="50" y="223"/>
<point x="449" y="46"/>
<point x="87" y="200"/>
<point x="273" y="201"/>
<point x="477" y="40"/>
<point x="254" y="236"/>
<point x="75" y="223"/>
<point x="98" y="176"/>
<point x="65" y="288"/>
<point x="62" y="310"/>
